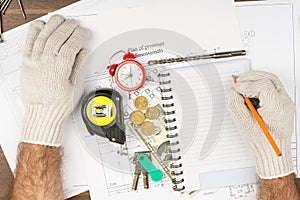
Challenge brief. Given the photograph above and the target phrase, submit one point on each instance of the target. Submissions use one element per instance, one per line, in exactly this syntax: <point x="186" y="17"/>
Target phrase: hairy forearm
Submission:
<point x="278" y="189"/>
<point x="38" y="174"/>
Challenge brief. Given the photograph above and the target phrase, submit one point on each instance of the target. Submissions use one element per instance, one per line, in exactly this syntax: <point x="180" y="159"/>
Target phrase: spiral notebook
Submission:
<point x="206" y="148"/>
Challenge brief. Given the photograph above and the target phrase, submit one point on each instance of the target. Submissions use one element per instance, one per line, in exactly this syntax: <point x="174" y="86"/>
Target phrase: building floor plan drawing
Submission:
<point x="247" y="191"/>
<point x="258" y="39"/>
<point x="108" y="167"/>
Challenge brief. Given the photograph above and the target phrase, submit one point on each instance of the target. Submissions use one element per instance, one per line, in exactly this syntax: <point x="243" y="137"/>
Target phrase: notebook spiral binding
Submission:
<point x="169" y="120"/>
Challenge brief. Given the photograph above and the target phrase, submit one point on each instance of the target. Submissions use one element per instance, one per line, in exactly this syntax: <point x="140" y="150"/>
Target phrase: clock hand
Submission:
<point x="131" y="75"/>
<point x="131" y="78"/>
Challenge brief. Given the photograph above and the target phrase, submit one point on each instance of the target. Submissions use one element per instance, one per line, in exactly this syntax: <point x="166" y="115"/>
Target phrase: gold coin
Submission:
<point x="152" y="113"/>
<point x="141" y="103"/>
<point x="147" y="128"/>
<point x="137" y="117"/>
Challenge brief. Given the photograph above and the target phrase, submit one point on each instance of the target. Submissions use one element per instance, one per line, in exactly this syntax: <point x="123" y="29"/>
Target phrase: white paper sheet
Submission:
<point x="270" y="45"/>
<point x="242" y="192"/>
<point x="296" y="28"/>
<point x="237" y="192"/>
<point x="12" y="48"/>
<point x="262" y="36"/>
<point x="103" y="181"/>
<point x="229" y="151"/>
<point x="12" y="108"/>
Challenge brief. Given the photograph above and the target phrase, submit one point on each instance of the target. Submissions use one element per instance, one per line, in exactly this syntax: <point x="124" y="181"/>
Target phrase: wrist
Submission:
<point x="268" y="164"/>
<point x="43" y="124"/>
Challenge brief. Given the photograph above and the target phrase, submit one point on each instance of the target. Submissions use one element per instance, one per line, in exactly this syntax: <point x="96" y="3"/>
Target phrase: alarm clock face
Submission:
<point x="130" y="75"/>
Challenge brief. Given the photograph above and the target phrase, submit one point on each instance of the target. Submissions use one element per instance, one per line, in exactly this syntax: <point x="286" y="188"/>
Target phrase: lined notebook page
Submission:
<point x="204" y="112"/>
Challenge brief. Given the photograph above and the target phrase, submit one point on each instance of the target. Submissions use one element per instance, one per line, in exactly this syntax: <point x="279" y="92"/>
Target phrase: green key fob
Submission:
<point x="155" y="174"/>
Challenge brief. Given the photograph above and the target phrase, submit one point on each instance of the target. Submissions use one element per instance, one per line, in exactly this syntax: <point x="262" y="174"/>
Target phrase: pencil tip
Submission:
<point x="234" y="76"/>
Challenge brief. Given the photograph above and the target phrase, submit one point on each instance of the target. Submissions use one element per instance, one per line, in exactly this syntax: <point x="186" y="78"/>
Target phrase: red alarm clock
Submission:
<point x="130" y="75"/>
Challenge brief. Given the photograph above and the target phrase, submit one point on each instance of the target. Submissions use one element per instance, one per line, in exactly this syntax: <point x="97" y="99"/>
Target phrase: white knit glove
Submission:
<point x="277" y="111"/>
<point x="52" y="60"/>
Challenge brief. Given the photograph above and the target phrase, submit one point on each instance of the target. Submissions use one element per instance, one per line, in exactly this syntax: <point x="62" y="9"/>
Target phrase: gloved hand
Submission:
<point x="52" y="60"/>
<point x="277" y="111"/>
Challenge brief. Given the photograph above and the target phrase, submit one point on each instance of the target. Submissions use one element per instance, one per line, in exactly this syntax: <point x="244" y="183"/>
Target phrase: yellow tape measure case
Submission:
<point x="102" y="113"/>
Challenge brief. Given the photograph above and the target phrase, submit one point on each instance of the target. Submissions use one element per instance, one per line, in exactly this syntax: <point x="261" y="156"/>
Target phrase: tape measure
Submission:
<point x="102" y="113"/>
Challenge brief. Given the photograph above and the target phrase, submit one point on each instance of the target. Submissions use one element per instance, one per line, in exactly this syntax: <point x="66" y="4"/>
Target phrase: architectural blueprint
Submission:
<point x="265" y="40"/>
<point x="248" y="33"/>
<point x="116" y="184"/>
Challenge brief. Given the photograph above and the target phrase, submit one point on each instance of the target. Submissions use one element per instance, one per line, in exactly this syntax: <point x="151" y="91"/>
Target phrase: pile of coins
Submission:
<point x="142" y="116"/>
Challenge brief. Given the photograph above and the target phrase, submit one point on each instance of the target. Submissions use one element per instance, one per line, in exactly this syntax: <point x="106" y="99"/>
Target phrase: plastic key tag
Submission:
<point x="155" y="174"/>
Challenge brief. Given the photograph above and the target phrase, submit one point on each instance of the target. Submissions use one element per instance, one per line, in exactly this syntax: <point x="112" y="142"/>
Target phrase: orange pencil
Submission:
<point x="261" y="123"/>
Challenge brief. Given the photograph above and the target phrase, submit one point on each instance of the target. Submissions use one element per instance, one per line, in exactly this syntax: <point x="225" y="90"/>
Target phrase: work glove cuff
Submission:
<point x="268" y="164"/>
<point x="43" y="124"/>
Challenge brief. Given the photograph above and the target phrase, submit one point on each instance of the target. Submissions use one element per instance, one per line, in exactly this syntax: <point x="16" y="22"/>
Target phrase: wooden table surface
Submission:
<point x="11" y="19"/>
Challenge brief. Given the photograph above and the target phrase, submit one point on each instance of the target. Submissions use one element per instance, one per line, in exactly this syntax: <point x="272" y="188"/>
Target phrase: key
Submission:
<point x="145" y="174"/>
<point x="137" y="173"/>
<point x="145" y="178"/>
<point x="144" y="160"/>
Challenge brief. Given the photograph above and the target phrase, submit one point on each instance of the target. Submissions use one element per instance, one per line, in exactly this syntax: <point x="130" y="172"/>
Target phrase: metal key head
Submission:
<point x="137" y="172"/>
<point x="149" y="156"/>
<point x="145" y="173"/>
<point x="138" y="168"/>
<point x="143" y="169"/>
